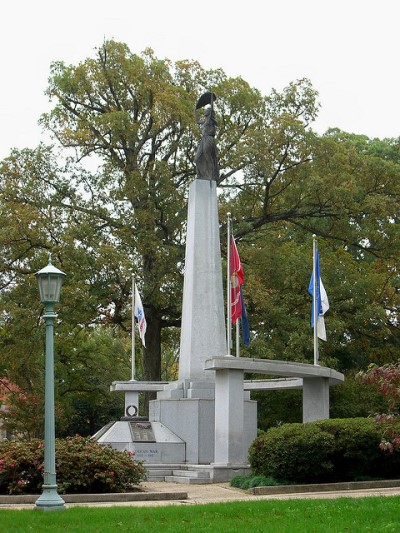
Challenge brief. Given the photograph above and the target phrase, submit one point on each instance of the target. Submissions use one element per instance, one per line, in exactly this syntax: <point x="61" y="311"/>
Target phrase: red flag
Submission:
<point x="237" y="279"/>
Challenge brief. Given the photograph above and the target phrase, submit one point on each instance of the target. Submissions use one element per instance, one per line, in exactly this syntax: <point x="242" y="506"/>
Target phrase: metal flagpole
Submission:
<point x="237" y="338"/>
<point x="228" y="286"/>
<point x="133" y="332"/>
<point x="315" y="310"/>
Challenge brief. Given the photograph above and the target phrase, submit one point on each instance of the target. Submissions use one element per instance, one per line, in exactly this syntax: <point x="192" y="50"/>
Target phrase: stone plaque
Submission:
<point x="142" y="432"/>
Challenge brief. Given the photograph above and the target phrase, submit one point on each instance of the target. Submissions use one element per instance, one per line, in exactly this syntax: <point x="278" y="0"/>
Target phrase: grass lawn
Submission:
<point x="303" y="516"/>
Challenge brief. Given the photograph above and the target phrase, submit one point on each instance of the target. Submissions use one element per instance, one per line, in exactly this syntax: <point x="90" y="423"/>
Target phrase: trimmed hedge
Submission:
<point x="324" y="451"/>
<point x="82" y="465"/>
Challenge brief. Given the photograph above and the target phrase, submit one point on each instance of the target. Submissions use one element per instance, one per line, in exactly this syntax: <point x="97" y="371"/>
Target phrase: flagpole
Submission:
<point x="315" y="312"/>
<point x="228" y="286"/>
<point x="237" y="338"/>
<point x="133" y="332"/>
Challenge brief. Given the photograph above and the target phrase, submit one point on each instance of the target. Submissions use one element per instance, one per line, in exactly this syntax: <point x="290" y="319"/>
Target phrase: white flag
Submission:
<point x="324" y="307"/>
<point x="139" y="314"/>
<point x="322" y="302"/>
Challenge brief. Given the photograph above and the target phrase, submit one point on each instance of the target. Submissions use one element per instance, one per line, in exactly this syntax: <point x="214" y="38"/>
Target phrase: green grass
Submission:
<point x="372" y="514"/>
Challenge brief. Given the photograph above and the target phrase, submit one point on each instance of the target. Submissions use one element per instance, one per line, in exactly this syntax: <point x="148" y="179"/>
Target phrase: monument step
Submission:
<point x="201" y="394"/>
<point x="155" y="479"/>
<point x="187" y="480"/>
<point x="159" y="472"/>
<point x="170" y="394"/>
<point x="200" y="474"/>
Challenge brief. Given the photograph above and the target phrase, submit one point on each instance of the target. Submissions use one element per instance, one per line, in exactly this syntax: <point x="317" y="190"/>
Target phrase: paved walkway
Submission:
<point x="222" y="492"/>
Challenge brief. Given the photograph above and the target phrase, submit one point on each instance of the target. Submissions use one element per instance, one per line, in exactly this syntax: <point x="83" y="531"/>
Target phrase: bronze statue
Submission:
<point x="206" y="156"/>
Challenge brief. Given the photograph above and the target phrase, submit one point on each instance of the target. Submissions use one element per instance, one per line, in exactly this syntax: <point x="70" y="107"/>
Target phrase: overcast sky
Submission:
<point x="349" y="49"/>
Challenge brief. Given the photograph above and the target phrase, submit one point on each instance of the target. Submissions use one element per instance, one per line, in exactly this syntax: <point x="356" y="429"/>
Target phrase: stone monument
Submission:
<point x="187" y="407"/>
<point x="201" y="426"/>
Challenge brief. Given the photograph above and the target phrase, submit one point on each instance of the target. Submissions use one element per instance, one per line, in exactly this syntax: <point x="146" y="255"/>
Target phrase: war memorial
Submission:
<point x="200" y="427"/>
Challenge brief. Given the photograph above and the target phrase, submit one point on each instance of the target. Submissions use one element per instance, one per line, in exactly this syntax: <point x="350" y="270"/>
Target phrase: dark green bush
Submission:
<point x="324" y="451"/>
<point x="81" y="464"/>
<point x="294" y="452"/>
<point x="357" y="452"/>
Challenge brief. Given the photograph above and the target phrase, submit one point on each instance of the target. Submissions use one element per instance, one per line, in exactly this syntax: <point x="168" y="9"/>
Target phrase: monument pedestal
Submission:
<point x="193" y="419"/>
<point x="189" y="406"/>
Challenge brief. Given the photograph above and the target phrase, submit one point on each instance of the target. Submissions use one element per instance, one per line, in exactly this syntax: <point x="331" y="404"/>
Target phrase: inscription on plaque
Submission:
<point x="142" y="432"/>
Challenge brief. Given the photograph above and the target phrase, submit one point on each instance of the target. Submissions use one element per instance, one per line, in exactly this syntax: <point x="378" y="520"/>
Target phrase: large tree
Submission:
<point x="349" y="196"/>
<point x="117" y="207"/>
<point x="136" y="114"/>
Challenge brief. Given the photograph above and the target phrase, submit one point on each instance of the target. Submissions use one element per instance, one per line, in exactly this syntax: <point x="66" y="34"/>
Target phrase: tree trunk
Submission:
<point x="151" y="357"/>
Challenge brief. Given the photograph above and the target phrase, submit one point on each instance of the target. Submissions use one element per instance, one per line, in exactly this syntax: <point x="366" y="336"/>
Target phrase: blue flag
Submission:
<point x="322" y="300"/>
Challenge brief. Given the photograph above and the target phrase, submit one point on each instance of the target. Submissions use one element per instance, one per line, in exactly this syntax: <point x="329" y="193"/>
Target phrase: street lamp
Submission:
<point x="49" y="280"/>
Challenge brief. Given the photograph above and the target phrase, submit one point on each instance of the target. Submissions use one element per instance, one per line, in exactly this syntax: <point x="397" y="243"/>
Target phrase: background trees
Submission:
<point x="114" y="205"/>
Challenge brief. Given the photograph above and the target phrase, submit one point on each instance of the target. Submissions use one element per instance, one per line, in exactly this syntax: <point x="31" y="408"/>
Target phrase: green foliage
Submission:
<point x="294" y="452"/>
<point x="357" y="449"/>
<point x="353" y="399"/>
<point x="134" y="115"/>
<point x="324" y="451"/>
<point x="82" y="466"/>
<point x="277" y="407"/>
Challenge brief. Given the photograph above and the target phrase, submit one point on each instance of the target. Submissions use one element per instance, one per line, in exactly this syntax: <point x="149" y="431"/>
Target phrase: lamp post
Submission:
<point x="49" y="280"/>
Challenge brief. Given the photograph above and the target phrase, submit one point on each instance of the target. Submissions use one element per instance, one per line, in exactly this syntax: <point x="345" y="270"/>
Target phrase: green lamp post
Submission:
<point x="50" y="280"/>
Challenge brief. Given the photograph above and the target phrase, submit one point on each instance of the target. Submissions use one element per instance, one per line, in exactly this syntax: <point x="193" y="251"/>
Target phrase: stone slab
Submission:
<point x="275" y="368"/>
<point x="326" y="487"/>
<point x="273" y="384"/>
<point x="138" y="386"/>
<point x="142" y="432"/>
<point x="139" y="496"/>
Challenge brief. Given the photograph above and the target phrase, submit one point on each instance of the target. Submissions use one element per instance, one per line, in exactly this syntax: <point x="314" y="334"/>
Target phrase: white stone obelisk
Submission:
<point x="203" y="319"/>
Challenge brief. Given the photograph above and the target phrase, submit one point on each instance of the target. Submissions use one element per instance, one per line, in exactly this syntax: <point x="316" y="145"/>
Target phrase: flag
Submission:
<point x="238" y="308"/>
<point x="139" y="314"/>
<point x="322" y="300"/>
<point x="237" y="279"/>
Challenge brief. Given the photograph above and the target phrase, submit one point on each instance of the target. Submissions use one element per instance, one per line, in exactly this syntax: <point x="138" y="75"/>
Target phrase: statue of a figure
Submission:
<point x="206" y="156"/>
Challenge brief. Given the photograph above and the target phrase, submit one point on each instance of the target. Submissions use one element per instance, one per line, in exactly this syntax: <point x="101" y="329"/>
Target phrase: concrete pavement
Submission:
<point x="217" y="492"/>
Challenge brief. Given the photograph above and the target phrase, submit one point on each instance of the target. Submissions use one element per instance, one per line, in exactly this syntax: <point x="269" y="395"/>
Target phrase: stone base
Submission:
<point x="165" y="448"/>
<point x="193" y="421"/>
<point x="190" y="474"/>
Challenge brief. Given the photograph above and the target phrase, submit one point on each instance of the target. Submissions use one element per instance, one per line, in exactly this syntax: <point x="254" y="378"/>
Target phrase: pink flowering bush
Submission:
<point x="82" y="466"/>
<point x="387" y="378"/>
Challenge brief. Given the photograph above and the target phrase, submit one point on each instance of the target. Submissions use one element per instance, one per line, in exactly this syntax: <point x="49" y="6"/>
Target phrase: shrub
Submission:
<point x="358" y="452"/>
<point x="81" y="464"/>
<point x="324" y="451"/>
<point x="294" y="452"/>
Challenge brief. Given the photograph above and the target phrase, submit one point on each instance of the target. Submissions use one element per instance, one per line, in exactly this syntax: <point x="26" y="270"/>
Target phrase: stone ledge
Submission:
<point x="139" y="496"/>
<point x="325" y="487"/>
<point x="274" y="368"/>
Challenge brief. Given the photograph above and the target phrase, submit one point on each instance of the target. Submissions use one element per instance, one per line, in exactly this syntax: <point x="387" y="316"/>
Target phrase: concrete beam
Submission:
<point x="138" y="386"/>
<point x="274" y="368"/>
<point x="273" y="384"/>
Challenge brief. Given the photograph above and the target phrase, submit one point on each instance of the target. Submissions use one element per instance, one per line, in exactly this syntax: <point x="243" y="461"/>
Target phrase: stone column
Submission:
<point x="131" y="403"/>
<point x="229" y="418"/>
<point x="203" y="318"/>
<point x="315" y="399"/>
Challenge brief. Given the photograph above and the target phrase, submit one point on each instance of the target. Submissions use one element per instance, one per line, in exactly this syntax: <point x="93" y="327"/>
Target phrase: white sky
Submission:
<point x="349" y="49"/>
